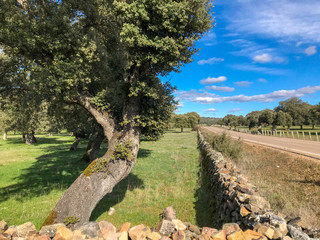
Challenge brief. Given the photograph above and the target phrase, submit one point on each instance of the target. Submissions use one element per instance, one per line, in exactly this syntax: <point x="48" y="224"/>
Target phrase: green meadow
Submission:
<point x="33" y="178"/>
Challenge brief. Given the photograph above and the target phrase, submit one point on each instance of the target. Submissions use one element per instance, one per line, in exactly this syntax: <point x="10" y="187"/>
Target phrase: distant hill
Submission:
<point x="209" y="120"/>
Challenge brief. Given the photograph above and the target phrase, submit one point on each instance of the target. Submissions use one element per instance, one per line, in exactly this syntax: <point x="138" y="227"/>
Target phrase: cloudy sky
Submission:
<point x="259" y="53"/>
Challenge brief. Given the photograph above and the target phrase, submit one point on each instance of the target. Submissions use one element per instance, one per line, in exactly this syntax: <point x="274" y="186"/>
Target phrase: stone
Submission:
<point x="249" y="235"/>
<point x="244" y="211"/>
<point x="90" y="229"/>
<point x="237" y="235"/>
<point x="179" y="225"/>
<point x="286" y="238"/>
<point x="63" y="233"/>
<point x="267" y="231"/>
<point x="3" y="226"/>
<point x="277" y="234"/>
<point x="210" y="231"/>
<point x="78" y="235"/>
<point x="259" y="202"/>
<point x="221" y="235"/>
<point x="244" y="189"/>
<point x="165" y="227"/>
<point x="244" y="198"/>
<point x="125" y="227"/>
<point x="169" y="213"/>
<point x="24" y="229"/>
<point x="165" y="238"/>
<point x="179" y="235"/>
<point x="5" y="236"/>
<point x="41" y="237"/>
<point x="139" y="232"/>
<point x="108" y="231"/>
<point x="50" y="230"/>
<point x="296" y="234"/>
<point x="230" y="227"/>
<point x="12" y="230"/>
<point x="154" y="236"/>
<point x="194" y="228"/>
<point x="123" y="235"/>
<point x="18" y="238"/>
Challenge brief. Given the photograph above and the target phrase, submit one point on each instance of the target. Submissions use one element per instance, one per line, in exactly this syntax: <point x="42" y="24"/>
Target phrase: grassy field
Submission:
<point x="32" y="179"/>
<point x="290" y="182"/>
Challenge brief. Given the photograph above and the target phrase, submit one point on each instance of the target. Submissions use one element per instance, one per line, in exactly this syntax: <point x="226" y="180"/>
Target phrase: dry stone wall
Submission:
<point x="238" y="201"/>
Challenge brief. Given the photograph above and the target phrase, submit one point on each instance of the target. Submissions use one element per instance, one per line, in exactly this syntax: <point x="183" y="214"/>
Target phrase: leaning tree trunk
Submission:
<point x="94" y="144"/>
<point x="101" y="176"/>
<point x="75" y="144"/>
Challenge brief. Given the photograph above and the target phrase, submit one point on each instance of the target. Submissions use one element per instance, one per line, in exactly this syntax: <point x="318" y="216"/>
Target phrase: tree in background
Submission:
<point x="253" y="119"/>
<point x="315" y="115"/>
<point x="298" y="110"/>
<point x="188" y="120"/>
<point x="104" y="56"/>
<point x="193" y="119"/>
<point x="231" y="120"/>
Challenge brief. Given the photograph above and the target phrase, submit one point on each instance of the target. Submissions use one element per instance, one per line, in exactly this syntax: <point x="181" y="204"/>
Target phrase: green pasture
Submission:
<point x="33" y="178"/>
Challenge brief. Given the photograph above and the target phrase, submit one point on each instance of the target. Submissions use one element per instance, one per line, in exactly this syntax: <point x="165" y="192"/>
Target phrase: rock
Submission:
<point x="221" y="235"/>
<point x="12" y="230"/>
<point x="204" y="237"/>
<point x="18" y="238"/>
<point x="125" y="227"/>
<point x="40" y="237"/>
<point x="296" y="234"/>
<point x="108" y="231"/>
<point x="165" y="238"/>
<point x="179" y="225"/>
<point x="169" y="213"/>
<point x="50" y="230"/>
<point x="230" y="227"/>
<point x="154" y="236"/>
<point x="277" y="234"/>
<point x="180" y="235"/>
<point x="5" y="236"/>
<point x="237" y="235"/>
<point x="90" y="229"/>
<point x="63" y="233"/>
<point x="139" y="232"/>
<point x="244" y="198"/>
<point x="244" y="189"/>
<point x="194" y="228"/>
<point x="286" y="238"/>
<point x="267" y="231"/>
<point x="26" y="228"/>
<point x="210" y="231"/>
<point x="165" y="227"/>
<point x="3" y="226"/>
<point x="244" y="212"/>
<point x="111" y="211"/>
<point x="123" y="235"/>
<point x="259" y="202"/>
<point x="249" y="234"/>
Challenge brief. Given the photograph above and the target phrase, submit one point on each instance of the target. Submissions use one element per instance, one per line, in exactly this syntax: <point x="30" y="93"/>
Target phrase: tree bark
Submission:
<point x="94" y="144"/>
<point x="100" y="177"/>
<point x="31" y="139"/>
<point x="74" y="145"/>
<point x="5" y="136"/>
<point x="181" y="129"/>
<point x="301" y="127"/>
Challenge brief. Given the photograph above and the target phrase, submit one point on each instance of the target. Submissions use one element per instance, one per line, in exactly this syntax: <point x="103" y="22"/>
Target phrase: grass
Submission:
<point x="290" y="182"/>
<point x="33" y="178"/>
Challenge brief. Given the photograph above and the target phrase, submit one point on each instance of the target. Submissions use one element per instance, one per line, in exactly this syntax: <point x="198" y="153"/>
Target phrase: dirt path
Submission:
<point x="307" y="148"/>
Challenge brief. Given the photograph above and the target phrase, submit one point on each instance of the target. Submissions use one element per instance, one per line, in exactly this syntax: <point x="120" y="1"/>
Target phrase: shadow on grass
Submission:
<point x="58" y="170"/>
<point x="40" y="140"/>
<point x="204" y="205"/>
<point x="312" y="182"/>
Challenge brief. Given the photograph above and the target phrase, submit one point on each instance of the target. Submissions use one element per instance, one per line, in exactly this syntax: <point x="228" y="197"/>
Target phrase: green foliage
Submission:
<point x="225" y="144"/>
<point x="188" y="120"/>
<point x="122" y="152"/>
<point x="70" y="220"/>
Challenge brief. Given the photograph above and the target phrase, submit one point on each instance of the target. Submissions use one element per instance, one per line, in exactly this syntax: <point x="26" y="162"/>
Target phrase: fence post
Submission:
<point x="303" y="135"/>
<point x="292" y="134"/>
<point x="298" y="135"/>
<point x="317" y="136"/>
<point x="310" y="135"/>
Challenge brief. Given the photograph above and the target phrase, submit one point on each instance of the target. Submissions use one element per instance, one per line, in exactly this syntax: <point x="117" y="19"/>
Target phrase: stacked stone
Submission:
<point x="238" y="201"/>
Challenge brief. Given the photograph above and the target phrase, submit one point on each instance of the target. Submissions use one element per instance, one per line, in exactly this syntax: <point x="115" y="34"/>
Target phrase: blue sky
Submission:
<point x="259" y="53"/>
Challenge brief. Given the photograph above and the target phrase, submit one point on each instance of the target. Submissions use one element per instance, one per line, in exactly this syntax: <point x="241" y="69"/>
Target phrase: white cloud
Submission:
<point x="211" y="110"/>
<point x="298" y="44"/>
<point x="210" y="61"/>
<point x="263" y="80"/>
<point x="310" y="50"/>
<point x="285" y="20"/>
<point x="220" y="89"/>
<point x="255" y="68"/>
<point x="234" y="110"/>
<point x="205" y="98"/>
<point x="243" y="83"/>
<point x="264" y="58"/>
<point x="180" y="104"/>
<point x="211" y="80"/>
<point x="210" y="39"/>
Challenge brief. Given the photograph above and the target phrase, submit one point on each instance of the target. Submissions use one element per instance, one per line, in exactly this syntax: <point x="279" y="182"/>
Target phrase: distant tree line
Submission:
<point x="188" y="120"/>
<point x="291" y="112"/>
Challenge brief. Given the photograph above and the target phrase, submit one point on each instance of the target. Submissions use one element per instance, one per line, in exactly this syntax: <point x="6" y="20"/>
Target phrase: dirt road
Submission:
<point x="306" y="148"/>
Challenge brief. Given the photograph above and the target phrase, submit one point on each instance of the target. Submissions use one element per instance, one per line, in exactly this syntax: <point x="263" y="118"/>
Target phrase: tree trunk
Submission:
<point x="74" y="145"/>
<point x="313" y="126"/>
<point x="5" y="136"/>
<point x="301" y="127"/>
<point x="100" y="177"/>
<point x="23" y="137"/>
<point x="31" y="139"/>
<point x="94" y="144"/>
<point x="181" y="129"/>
